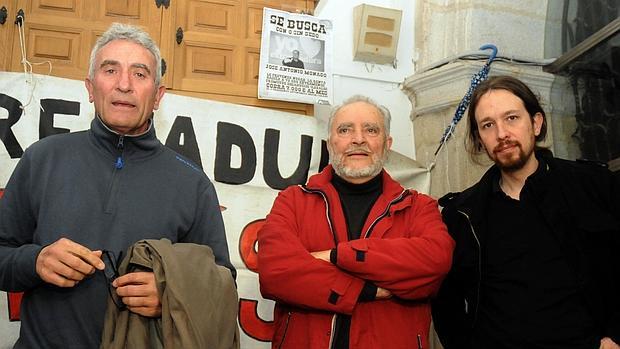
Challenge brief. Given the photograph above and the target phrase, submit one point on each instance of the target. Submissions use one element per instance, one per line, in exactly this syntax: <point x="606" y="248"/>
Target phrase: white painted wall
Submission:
<point x="380" y="82"/>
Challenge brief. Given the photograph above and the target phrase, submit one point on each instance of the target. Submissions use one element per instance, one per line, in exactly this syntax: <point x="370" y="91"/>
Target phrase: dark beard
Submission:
<point x="512" y="165"/>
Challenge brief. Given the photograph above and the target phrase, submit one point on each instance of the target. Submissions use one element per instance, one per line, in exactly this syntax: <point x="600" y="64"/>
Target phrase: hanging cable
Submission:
<point x="28" y="74"/>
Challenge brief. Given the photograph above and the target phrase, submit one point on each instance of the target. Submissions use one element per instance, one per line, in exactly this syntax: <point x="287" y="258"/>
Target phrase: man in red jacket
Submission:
<point x="351" y="258"/>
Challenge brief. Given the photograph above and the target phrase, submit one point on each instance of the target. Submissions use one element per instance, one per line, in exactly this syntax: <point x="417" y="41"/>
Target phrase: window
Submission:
<point x="585" y="36"/>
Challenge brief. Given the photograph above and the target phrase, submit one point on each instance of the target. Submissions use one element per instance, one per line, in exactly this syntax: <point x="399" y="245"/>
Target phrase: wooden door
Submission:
<point x="218" y="56"/>
<point x="217" y="59"/>
<point x="63" y="32"/>
<point x="6" y="33"/>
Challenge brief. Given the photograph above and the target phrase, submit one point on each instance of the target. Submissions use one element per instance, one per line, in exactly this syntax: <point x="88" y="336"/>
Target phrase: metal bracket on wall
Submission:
<point x="19" y="19"/>
<point x="163" y="67"/>
<point x="179" y="35"/>
<point x="3" y="15"/>
<point x="166" y="3"/>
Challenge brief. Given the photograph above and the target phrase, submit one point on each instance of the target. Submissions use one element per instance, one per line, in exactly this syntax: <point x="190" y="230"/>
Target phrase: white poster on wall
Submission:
<point x="295" y="58"/>
<point x="249" y="153"/>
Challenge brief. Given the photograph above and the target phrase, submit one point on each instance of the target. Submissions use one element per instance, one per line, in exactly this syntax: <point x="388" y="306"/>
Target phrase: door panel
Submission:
<point x="7" y="31"/>
<point x="219" y="54"/>
<point x="207" y="53"/>
<point x="63" y="32"/>
<point x="218" y="57"/>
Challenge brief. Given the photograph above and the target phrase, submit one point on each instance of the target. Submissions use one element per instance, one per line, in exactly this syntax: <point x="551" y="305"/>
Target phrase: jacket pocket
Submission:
<point x="599" y="241"/>
<point x="598" y="222"/>
<point x="598" y="231"/>
<point x="280" y="334"/>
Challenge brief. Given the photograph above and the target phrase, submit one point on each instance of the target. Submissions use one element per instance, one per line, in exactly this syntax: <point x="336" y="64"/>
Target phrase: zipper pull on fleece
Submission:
<point x="119" y="160"/>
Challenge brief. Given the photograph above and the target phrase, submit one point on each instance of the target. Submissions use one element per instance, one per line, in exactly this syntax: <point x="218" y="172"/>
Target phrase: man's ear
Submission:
<point x="388" y="143"/>
<point x="89" y="87"/>
<point x="537" y="122"/>
<point x="159" y="94"/>
<point x="329" y="145"/>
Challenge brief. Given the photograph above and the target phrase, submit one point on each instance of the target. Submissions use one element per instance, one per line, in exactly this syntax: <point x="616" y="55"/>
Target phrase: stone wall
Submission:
<point x="446" y="28"/>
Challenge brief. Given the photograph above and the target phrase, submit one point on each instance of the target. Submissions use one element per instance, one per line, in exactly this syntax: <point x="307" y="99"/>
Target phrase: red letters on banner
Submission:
<point x="249" y="320"/>
<point x="14" y="299"/>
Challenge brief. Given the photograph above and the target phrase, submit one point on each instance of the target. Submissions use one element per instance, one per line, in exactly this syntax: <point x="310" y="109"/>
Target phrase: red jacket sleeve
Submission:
<point x="410" y="264"/>
<point x="289" y="273"/>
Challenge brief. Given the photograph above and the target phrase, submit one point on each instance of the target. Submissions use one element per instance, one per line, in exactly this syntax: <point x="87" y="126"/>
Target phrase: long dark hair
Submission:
<point x="512" y="85"/>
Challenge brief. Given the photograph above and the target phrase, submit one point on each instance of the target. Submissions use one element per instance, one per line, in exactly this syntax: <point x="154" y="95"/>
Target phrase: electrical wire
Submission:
<point x="28" y="74"/>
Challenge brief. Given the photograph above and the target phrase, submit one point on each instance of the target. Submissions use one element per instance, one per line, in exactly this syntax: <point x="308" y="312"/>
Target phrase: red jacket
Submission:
<point x="405" y="248"/>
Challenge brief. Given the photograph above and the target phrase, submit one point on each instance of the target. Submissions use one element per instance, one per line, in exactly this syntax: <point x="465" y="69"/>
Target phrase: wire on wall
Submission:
<point x="28" y="74"/>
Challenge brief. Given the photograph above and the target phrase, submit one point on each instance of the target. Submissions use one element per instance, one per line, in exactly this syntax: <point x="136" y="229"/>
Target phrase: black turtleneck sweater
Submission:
<point x="356" y="201"/>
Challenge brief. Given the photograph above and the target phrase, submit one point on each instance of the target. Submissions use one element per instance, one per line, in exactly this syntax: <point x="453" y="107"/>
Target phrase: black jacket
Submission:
<point x="583" y="209"/>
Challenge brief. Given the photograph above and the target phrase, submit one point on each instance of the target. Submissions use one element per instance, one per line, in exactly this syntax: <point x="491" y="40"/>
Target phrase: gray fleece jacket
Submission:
<point x="103" y="191"/>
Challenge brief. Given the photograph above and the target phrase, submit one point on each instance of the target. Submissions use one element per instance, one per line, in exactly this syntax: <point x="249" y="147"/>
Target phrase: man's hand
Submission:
<point x="382" y="293"/>
<point x="608" y="343"/>
<point x="64" y="263"/>
<point x="139" y="293"/>
<point x="324" y="255"/>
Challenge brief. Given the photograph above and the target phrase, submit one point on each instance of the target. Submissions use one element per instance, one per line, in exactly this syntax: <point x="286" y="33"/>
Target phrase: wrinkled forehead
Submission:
<point x="126" y="50"/>
<point x="358" y="113"/>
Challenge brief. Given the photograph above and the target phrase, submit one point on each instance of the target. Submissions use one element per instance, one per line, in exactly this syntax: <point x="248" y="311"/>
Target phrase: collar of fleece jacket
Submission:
<point x="134" y="147"/>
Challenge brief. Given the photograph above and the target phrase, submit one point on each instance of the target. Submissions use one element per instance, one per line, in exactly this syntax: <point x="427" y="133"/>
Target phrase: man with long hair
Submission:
<point x="535" y="263"/>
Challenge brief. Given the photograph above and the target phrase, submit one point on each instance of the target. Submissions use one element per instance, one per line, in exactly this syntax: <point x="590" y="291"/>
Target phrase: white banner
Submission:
<point x="249" y="153"/>
<point x="295" y="58"/>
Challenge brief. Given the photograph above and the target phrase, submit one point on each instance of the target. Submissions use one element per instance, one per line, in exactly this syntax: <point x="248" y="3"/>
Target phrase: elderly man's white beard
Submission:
<point x="369" y="171"/>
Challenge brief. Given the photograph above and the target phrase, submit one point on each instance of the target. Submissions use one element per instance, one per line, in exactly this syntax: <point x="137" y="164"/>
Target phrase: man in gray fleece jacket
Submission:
<point x="75" y="201"/>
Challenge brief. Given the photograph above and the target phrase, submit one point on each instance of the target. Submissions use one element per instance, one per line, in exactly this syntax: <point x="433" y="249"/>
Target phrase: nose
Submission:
<point x="502" y="132"/>
<point x="124" y="82"/>
<point x="358" y="137"/>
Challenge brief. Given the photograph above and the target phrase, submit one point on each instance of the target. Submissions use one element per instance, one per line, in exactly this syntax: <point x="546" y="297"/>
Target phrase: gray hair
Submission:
<point x="118" y="31"/>
<point x="383" y="111"/>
